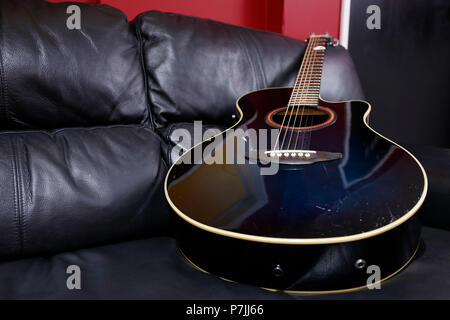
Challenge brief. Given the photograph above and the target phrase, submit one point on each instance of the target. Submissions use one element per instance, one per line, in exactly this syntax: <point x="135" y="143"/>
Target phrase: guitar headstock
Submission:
<point x="326" y="38"/>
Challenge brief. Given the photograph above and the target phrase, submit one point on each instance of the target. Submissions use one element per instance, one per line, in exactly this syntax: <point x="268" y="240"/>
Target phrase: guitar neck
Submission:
<point x="307" y="85"/>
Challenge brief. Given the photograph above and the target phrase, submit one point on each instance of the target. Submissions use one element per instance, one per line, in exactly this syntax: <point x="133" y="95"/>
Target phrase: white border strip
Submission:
<point x="345" y="23"/>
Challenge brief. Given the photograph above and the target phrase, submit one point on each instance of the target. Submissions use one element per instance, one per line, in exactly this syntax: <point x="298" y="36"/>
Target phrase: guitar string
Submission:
<point x="322" y="57"/>
<point x="308" y="133"/>
<point x="303" y="92"/>
<point x="299" y="74"/>
<point x="295" y="94"/>
<point x="299" y="90"/>
<point x="310" y="73"/>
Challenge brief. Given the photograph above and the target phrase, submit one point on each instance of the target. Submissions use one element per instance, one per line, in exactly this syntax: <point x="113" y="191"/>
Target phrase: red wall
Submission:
<point x="250" y="13"/>
<point x="91" y="1"/>
<point x="302" y="17"/>
<point x="295" y="18"/>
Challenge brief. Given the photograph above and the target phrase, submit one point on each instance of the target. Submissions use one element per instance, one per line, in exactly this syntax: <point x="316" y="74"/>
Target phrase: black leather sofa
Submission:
<point x="86" y="122"/>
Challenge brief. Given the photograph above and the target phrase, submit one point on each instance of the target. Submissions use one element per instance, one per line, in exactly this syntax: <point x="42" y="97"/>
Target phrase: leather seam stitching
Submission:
<point x="55" y="131"/>
<point x="144" y="72"/>
<point x="168" y="152"/>
<point x="262" y="75"/>
<point x="249" y="60"/>
<point x="3" y="112"/>
<point x="169" y="133"/>
<point x="4" y="85"/>
<point x="17" y="200"/>
<point x="22" y="192"/>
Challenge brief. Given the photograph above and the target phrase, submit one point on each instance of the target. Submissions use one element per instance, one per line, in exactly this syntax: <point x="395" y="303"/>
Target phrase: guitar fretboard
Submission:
<point x="307" y="85"/>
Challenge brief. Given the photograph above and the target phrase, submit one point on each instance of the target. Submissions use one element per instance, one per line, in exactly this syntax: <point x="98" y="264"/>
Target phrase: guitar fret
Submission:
<point x="307" y="85"/>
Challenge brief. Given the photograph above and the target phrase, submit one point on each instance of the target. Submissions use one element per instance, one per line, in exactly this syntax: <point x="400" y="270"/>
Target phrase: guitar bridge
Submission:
<point x="293" y="157"/>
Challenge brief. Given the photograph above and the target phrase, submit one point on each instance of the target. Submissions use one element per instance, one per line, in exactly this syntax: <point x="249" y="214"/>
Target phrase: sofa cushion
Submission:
<point x="182" y="136"/>
<point x="197" y="68"/>
<point x="52" y="77"/>
<point x="155" y="269"/>
<point x="73" y="188"/>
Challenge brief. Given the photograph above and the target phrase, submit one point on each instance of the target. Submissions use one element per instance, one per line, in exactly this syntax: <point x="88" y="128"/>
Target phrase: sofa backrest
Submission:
<point x="197" y="68"/>
<point x="80" y="161"/>
<point x="53" y="77"/>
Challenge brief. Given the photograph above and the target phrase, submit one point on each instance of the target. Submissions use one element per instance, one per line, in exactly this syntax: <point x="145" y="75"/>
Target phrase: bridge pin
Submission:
<point x="286" y="154"/>
<point x="272" y="154"/>
<point x="307" y="155"/>
<point x="292" y="154"/>
<point x="300" y="154"/>
<point x="279" y="154"/>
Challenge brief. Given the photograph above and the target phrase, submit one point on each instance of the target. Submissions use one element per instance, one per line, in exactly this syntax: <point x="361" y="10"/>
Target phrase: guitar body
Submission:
<point x="323" y="226"/>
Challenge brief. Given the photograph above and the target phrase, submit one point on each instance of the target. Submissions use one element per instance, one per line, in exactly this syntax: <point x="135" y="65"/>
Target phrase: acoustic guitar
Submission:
<point x="337" y="214"/>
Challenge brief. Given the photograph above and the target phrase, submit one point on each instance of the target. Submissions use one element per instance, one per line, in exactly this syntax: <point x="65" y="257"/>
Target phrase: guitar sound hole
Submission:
<point x="301" y="118"/>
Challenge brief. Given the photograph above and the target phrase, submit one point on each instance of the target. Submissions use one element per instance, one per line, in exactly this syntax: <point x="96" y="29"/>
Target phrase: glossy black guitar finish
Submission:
<point x="313" y="227"/>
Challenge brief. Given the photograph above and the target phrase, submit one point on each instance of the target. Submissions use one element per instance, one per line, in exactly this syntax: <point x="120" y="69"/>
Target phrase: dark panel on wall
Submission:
<point x="404" y="68"/>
